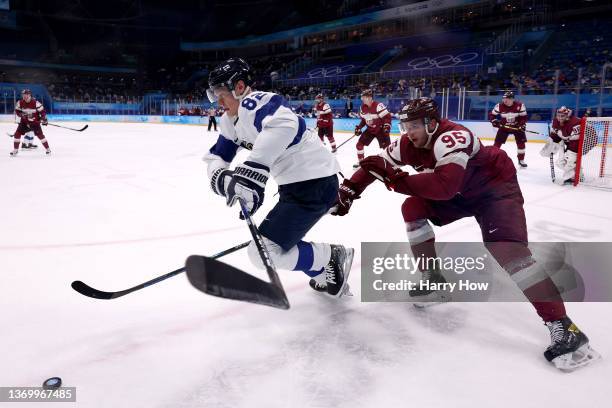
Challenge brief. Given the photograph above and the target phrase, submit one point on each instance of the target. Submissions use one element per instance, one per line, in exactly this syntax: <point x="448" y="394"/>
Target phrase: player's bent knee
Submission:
<point x="414" y="209"/>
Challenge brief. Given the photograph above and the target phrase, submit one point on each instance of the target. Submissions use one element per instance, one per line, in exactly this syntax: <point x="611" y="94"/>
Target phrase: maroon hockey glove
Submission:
<point x="496" y="123"/>
<point x="381" y="169"/>
<point x="346" y="195"/>
<point x="357" y="131"/>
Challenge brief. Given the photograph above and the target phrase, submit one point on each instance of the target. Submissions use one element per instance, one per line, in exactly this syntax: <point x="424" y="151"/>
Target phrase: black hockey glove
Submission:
<point x="220" y="180"/>
<point x="248" y="183"/>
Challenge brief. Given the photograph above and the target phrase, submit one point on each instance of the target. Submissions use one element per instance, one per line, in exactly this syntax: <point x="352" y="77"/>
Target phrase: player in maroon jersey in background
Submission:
<point x="463" y="178"/>
<point x="325" y="122"/>
<point x="510" y="117"/>
<point x="377" y="118"/>
<point x="564" y="140"/>
<point x="32" y="114"/>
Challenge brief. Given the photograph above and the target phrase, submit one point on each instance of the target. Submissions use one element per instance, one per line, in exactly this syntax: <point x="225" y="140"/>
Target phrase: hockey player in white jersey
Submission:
<point x="282" y="147"/>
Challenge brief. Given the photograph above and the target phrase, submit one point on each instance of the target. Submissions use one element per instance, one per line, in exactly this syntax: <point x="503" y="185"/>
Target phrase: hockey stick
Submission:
<point x="553" y="175"/>
<point x="346" y="141"/>
<point x="218" y="279"/>
<point x="520" y="130"/>
<point x="69" y="128"/>
<point x="88" y="291"/>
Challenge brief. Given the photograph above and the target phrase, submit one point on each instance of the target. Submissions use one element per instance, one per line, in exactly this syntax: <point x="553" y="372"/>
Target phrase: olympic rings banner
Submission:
<point x="453" y="59"/>
<point x="331" y="71"/>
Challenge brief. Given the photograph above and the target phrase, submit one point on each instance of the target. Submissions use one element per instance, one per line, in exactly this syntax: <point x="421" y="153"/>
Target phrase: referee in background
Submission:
<point x="211" y="118"/>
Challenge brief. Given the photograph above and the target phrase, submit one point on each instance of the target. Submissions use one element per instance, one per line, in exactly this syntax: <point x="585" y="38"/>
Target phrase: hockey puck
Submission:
<point x="52" y="383"/>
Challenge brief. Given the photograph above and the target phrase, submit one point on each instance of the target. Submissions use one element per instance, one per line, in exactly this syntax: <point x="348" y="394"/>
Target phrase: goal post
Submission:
<point x="593" y="163"/>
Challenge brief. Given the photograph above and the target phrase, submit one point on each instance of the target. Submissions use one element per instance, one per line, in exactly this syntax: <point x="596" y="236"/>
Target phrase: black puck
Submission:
<point x="52" y="383"/>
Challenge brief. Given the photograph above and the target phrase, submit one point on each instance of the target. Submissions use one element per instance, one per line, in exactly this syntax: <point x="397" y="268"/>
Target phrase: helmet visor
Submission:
<point x="214" y="92"/>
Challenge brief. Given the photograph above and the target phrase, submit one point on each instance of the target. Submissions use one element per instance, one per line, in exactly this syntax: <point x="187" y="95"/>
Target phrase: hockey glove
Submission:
<point x="44" y="122"/>
<point x="379" y="168"/>
<point x="346" y="195"/>
<point x="357" y="131"/>
<point x="248" y="183"/>
<point x="220" y="180"/>
<point x="496" y="123"/>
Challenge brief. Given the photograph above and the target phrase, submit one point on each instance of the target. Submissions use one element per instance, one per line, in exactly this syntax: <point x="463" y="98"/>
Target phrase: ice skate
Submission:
<point x="334" y="278"/>
<point x="568" y="182"/>
<point x="32" y="146"/>
<point x="319" y="283"/>
<point x="356" y="165"/>
<point x="569" y="348"/>
<point x="423" y="296"/>
<point x="48" y="152"/>
<point x="522" y="163"/>
<point x="14" y="152"/>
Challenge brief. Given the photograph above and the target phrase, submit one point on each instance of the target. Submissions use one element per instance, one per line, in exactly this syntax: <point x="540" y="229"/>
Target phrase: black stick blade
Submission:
<point x="218" y="279"/>
<point x="87" y="290"/>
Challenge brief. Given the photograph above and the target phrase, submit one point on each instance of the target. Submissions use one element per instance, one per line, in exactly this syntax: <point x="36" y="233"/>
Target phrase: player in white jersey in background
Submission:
<point x="281" y="146"/>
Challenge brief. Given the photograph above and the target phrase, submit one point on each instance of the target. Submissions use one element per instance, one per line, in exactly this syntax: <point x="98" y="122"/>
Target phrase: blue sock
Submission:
<point x="305" y="259"/>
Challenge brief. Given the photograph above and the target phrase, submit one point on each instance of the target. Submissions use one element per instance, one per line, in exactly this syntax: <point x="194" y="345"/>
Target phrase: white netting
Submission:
<point x="595" y="167"/>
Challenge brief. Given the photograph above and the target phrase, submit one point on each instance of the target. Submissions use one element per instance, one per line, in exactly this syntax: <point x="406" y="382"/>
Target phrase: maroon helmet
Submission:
<point x="421" y="108"/>
<point x="508" y="94"/>
<point x="367" y="92"/>
<point x="564" y="113"/>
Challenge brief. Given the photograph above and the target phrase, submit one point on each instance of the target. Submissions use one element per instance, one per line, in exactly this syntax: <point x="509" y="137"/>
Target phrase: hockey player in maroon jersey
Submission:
<point x="459" y="177"/>
<point x="510" y="117"/>
<point x="325" y="122"/>
<point x="32" y="114"/>
<point x="377" y="118"/>
<point x="564" y="140"/>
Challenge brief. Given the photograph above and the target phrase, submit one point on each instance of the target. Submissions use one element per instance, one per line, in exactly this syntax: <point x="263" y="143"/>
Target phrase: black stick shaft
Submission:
<point x="69" y="128"/>
<point x="87" y="290"/>
<point x="346" y="141"/>
<point x="263" y="253"/>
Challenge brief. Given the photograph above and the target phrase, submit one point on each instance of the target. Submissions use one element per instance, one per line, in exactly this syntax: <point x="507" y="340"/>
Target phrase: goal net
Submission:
<point x="594" y="164"/>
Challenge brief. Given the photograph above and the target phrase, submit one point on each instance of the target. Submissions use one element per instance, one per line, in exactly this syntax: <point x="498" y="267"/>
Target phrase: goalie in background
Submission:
<point x="563" y="142"/>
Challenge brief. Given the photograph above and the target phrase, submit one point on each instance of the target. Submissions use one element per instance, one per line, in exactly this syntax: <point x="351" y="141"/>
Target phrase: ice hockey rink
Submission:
<point x="122" y="203"/>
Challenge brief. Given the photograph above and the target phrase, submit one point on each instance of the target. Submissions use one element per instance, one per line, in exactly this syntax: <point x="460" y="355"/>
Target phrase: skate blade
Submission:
<point x="348" y="262"/>
<point x="585" y="355"/>
<point x="431" y="299"/>
<point x="346" y="291"/>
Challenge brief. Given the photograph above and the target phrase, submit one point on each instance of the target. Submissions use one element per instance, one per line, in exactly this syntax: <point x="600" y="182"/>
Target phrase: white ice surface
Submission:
<point x="121" y="203"/>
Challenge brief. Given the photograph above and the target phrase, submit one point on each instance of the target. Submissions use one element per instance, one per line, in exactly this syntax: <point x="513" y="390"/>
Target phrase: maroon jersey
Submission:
<point x="32" y="112"/>
<point x="454" y="162"/>
<point x="569" y="132"/>
<point x="324" y="115"/>
<point x="374" y="117"/>
<point x="514" y="115"/>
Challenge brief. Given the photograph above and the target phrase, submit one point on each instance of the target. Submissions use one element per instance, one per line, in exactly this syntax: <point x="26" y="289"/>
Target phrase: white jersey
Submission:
<point x="277" y="138"/>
